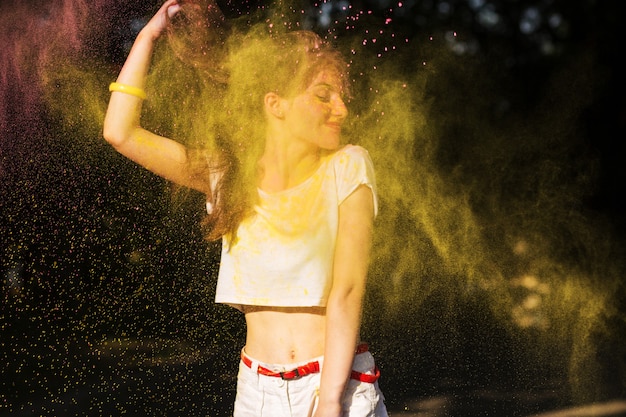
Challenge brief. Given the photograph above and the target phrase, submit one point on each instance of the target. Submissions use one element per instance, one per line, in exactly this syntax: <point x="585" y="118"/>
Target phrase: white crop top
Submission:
<point x="283" y="256"/>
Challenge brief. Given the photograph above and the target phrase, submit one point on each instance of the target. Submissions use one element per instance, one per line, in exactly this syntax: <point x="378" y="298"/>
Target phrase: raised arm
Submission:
<point x="122" y="128"/>
<point x="343" y="311"/>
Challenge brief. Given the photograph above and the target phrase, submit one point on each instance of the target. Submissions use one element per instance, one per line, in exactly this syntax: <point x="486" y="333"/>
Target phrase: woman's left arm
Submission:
<point x="343" y="310"/>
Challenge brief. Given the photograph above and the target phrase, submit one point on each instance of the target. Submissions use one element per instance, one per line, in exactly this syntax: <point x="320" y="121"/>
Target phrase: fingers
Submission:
<point x="161" y="19"/>
<point x="173" y="10"/>
<point x="171" y="7"/>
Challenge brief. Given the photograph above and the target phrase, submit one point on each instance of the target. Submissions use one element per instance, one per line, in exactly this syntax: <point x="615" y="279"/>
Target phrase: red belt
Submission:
<point x="312" y="368"/>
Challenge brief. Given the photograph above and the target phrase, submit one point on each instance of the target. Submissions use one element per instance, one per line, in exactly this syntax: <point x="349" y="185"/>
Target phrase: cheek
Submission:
<point x="320" y="112"/>
<point x="315" y="106"/>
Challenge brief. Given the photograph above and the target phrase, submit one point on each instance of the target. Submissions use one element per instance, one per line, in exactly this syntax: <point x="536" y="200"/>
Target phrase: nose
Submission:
<point x="339" y="108"/>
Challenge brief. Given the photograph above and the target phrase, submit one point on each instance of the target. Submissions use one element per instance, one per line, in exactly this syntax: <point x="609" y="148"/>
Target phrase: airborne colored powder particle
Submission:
<point x="484" y="254"/>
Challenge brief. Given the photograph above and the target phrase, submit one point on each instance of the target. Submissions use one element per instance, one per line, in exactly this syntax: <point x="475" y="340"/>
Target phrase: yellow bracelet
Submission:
<point x="128" y="89"/>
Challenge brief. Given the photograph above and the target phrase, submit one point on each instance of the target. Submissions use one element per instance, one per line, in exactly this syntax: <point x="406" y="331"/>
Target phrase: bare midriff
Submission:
<point x="284" y="335"/>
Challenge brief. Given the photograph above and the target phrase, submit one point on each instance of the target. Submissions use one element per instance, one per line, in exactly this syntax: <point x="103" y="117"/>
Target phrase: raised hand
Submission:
<point x="161" y="20"/>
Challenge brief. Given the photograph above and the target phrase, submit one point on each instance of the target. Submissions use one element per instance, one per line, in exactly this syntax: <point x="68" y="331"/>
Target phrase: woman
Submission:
<point x="296" y="224"/>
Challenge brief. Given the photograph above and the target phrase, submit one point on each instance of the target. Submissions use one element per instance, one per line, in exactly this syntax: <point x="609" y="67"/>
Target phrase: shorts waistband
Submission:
<point x="310" y="368"/>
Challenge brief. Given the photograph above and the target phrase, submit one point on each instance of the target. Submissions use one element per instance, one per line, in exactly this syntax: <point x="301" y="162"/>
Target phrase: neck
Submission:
<point x="285" y="164"/>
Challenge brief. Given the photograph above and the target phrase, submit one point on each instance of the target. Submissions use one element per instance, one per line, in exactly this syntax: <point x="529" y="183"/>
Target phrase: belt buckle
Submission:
<point x="296" y="375"/>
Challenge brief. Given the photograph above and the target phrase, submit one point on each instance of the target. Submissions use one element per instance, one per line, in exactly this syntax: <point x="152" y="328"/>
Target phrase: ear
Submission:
<point x="274" y="105"/>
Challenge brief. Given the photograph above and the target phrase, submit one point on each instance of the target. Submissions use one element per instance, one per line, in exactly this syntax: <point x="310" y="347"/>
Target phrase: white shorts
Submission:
<point x="269" y="396"/>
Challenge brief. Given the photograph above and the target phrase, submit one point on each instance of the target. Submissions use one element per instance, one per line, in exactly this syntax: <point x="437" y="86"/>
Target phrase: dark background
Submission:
<point x="108" y="284"/>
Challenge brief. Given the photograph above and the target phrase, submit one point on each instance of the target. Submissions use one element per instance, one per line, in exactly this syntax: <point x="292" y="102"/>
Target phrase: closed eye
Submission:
<point x="325" y="98"/>
<point x="323" y="92"/>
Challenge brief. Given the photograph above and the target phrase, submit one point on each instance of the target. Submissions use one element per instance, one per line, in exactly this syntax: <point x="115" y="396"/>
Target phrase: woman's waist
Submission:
<point x="285" y="335"/>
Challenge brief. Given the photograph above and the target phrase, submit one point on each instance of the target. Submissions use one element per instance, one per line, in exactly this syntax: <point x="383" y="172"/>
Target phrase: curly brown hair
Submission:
<point x="236" y="66"/>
